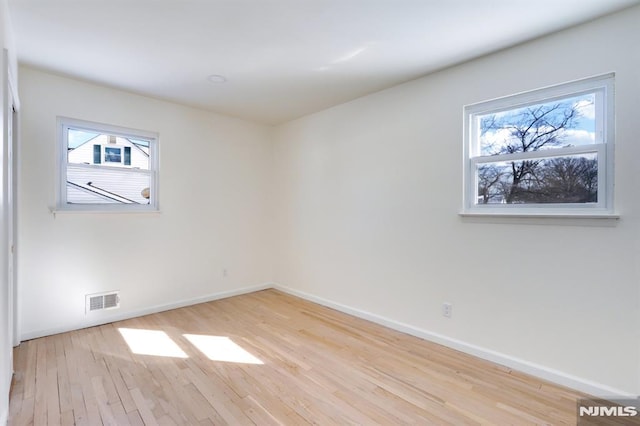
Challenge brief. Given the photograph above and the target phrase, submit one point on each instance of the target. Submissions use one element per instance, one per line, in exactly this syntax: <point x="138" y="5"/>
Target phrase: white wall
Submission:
<point x="215" y="177"/>
<point x="368" y="195"/>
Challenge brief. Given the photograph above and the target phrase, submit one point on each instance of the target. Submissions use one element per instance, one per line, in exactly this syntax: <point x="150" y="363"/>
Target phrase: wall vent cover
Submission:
<point x="101" y="301"/>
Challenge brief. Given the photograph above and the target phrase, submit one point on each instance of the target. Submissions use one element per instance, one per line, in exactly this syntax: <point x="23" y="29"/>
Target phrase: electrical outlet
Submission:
<point x="447" y="309"/>
<point x="225" y="273"/>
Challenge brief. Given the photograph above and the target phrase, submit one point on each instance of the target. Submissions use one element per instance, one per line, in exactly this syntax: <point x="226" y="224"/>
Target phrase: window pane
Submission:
<point x="86" y="148"/>
<point x="97" y="154"/>
<point x="563" y="123"/>
<point x="103" y="185"/>
<point x="569" y="179"/>
<point x="79" y="137"/>
<point x="127" y="155"/>
<point x="112" y="155"/>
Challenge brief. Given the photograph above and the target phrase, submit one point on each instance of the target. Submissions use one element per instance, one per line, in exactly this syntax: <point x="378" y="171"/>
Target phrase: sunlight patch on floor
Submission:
<point x="221" y="348"/>
<point x="151" y="342"/>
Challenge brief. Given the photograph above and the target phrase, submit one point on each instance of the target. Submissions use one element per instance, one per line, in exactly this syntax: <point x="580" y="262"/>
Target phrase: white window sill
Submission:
<point x="56" y="212"/>
<point x="541" y="215"/>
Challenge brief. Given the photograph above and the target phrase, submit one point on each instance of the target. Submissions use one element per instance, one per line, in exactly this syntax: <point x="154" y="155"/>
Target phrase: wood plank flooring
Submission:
<point x="318" y="366"/>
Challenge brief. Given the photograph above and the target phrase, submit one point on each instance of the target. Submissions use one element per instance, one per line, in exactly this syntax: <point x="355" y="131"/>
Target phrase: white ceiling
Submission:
<point x="282" y="58"/>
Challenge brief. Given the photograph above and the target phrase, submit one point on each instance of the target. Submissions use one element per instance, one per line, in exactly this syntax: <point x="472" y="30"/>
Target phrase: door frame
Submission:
<point x="9" y="194"/>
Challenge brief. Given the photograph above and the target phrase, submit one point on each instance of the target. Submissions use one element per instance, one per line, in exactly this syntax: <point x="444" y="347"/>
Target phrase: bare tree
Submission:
<point x="571" y="179"/>
<point x="488" y="176"/>
<point x="530" y="129"/>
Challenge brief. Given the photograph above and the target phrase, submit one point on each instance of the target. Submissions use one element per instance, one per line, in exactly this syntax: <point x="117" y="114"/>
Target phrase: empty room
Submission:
<point x="287" y="212"/>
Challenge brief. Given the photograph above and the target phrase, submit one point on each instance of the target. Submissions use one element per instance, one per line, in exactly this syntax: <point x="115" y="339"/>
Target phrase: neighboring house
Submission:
<point x="111" y="151"/>
<point x="108" y="169"/>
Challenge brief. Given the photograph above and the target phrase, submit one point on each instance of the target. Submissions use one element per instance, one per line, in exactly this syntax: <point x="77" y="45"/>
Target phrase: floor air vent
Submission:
<point x="101" y="301"/>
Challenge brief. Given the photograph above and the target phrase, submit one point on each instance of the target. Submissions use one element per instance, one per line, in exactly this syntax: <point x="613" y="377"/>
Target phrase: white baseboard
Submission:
<point x="540" y="371"/>
<point x="141" y="312"/>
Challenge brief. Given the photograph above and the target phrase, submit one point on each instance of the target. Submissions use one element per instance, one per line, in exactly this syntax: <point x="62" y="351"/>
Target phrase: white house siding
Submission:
<point x="82" y="196"/>
<point x="126" y="183"/>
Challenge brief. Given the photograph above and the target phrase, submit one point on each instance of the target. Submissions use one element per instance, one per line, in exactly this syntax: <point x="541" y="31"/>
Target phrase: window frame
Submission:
<point x="63" y="126"/>
<point x="603" y="87"/>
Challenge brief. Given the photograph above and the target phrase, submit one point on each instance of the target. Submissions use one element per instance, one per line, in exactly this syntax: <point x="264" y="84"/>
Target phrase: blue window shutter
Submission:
<point x="127" y="155"/>
<point x="97" y="151"/>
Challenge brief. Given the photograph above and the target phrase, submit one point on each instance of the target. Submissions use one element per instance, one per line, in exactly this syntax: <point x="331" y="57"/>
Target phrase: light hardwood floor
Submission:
<point x="318" y="366"/>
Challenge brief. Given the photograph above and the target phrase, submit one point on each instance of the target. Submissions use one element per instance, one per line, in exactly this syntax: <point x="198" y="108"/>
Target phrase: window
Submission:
<point x="106" y="168"/>
<point x="546" y="152"/>
<point x="112" y="155"/>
